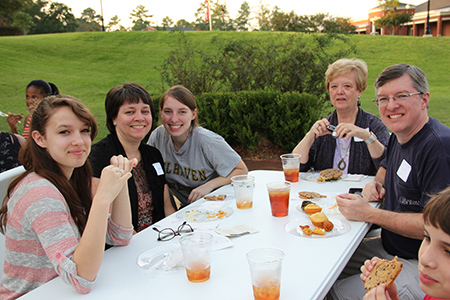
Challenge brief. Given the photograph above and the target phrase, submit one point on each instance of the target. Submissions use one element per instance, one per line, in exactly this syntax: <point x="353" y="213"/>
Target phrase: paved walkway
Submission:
<point x="259" y="164"/>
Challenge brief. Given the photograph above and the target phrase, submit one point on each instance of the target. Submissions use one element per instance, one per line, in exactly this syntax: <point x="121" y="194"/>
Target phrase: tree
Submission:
<point x="140" y="18"/>
<point x="57" y="18"/>
<point x="391" y="18"/>
<point x="167" y="22"/>
<point x="263" y="17"/>
<point x="281" y="21"/>
<point x="200" y="22"/>
<point x="183" y="24"/>
<point x="9" y="8"/>
<point x="89" y="21"/>
<point x="23" y="20"/>
<point x="243" y="18"/>
<point x="114" y="25"/>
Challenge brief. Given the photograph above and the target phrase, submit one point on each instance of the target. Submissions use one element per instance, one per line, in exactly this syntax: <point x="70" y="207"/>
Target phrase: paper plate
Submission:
<point x="340" y="227"/>
<point x="200" y="214"/>
<point x="152" y="256"/>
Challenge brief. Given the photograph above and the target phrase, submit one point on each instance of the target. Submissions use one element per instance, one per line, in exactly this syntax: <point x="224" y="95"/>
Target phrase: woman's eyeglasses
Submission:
<point x="167" y="234"/>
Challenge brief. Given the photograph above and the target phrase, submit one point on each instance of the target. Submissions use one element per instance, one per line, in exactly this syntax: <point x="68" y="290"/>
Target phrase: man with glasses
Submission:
<point x="417" y="165"/>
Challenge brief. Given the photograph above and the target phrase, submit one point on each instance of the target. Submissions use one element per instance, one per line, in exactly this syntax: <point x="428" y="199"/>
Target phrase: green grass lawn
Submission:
<point x="88" y="65"/>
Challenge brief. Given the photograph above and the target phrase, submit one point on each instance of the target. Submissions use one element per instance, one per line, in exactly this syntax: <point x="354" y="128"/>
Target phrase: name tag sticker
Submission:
<point x="159" y="170"/>
<point x="357" y="139"/>
<point x="404" y="170"/>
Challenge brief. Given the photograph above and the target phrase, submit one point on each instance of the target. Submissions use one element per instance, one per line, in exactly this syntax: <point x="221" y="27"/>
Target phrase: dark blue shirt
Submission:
<point x="427" y="155"/>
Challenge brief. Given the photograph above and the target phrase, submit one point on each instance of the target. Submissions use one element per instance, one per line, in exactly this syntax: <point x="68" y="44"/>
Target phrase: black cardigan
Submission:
<point x="100" y="156"/>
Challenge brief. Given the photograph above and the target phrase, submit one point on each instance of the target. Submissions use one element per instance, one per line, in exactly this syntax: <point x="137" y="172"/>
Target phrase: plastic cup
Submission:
<point x="243" y="190"/>
<point x="291" y="166"/>
<point x="196" y="247"/>
<point x="279" y="192"/>
<point x="265" y="270"/>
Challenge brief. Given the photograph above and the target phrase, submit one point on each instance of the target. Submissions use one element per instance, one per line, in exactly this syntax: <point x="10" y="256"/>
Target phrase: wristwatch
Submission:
<point x="372" y="138"/>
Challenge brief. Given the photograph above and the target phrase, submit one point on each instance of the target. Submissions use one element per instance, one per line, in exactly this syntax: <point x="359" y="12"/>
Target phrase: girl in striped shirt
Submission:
<point x="53" y="226"/>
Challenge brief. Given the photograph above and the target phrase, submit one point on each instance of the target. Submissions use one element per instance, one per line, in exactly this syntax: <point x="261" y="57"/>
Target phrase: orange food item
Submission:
<point x="312" y="209"/>
<point x="328" y="226"/>
<point x="318" y="219"/>
<point x="307" y="231"/>
<point x="318" y="231"/>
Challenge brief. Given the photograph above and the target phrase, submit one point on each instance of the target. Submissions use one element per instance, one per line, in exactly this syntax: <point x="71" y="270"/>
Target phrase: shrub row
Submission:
<point x="242" y="117"/>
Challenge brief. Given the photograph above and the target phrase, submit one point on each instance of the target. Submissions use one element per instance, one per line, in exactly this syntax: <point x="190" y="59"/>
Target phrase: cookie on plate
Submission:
<point x="385" y="271"/>
<point x="310" y="195"/>
<point x="330" y="175"/>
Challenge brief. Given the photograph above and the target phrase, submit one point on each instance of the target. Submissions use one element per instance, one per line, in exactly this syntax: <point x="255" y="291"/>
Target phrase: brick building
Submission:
<point x="439" y="20"/>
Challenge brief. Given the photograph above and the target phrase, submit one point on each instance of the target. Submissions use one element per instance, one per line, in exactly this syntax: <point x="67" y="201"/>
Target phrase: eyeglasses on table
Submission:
<point x="167" y="234"/>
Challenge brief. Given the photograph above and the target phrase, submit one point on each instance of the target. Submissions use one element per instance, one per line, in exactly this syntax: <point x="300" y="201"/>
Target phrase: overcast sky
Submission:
<point x="185" y="9"/>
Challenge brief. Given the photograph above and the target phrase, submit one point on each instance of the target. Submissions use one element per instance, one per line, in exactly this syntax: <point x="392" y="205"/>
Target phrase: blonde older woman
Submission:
<point x="357" y="146"/>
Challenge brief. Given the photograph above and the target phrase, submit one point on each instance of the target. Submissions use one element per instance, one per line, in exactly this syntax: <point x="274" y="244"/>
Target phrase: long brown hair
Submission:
<point x="77" y="189"/>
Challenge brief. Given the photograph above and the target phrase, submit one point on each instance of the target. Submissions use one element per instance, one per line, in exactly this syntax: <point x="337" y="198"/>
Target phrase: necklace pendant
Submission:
<point x="342" y="165"/>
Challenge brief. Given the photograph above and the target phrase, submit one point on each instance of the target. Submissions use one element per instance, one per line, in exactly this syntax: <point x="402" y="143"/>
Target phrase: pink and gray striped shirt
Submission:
<point x="41" y="237"/>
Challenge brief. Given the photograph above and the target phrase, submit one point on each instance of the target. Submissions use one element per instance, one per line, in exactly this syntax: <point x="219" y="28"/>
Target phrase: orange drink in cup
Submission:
<point x="265" y="271"/>
<point x="291" y="166"/>
<point x="196" y="247"/>
<point x="279" y="193"/>
<point x="243" y="190"/>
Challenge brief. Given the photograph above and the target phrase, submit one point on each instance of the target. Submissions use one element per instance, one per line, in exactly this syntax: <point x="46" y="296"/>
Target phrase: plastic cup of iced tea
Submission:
<point x="196" y="247"/>
<point x="265" y="270"/>
<point x="279" y="192"/>
<point x="243" y="190"/>
<point x="291" y="166"/>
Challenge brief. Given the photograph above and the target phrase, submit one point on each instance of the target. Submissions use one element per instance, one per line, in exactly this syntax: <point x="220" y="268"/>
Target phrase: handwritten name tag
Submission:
<point x="404" y="170"/>
<point x="159" y="170"/>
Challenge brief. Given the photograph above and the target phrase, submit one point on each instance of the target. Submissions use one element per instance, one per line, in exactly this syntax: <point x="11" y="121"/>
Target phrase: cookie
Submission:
<point x="385" y="271"/>
<point x="330" y="174"/>
<point x="310" y="195"/>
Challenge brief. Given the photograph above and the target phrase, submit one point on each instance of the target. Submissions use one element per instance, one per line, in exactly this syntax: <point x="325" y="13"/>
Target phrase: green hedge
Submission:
<point x="242" y="117"/>
<point x="9" y="30"/>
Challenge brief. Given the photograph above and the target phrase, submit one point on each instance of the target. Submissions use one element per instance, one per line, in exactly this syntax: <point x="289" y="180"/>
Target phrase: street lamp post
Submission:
<point x="103" y="20"/>
<point x="428" y="29"/>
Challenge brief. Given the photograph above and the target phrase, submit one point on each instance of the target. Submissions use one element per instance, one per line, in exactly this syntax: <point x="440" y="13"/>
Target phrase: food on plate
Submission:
<point x="306" y="230"/>
<point x="312" y="209"/>
<point x="385" y="271"/>
<point x="328" y="226"/>
<point x="318" y="231"/>
<point x="318" y="219"/>
<point x="329" y="175"/>
<point x="310" y="195"/>
<point x="305" y="203"/>
<point x="215" y="198"/>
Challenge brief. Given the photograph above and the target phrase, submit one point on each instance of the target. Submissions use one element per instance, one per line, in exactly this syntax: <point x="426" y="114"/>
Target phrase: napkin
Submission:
<point x="235" y="231"/>
<point x="354" y="177"/>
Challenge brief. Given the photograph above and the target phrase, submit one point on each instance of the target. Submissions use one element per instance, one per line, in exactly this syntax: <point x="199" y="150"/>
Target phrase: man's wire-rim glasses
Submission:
<point x="167" y="234"/>
<point x="384" y="100"/>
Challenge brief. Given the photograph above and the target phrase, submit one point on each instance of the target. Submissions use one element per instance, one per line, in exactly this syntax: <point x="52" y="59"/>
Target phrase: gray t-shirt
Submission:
<point x="204" y="156"/>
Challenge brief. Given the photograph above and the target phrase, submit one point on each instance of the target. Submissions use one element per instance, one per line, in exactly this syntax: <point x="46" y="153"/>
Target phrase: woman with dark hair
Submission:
<point x="52" y="224"/>
<point x="35" y="92"/>
<point x="129" y="118"/>
<point x="197" y="160"/>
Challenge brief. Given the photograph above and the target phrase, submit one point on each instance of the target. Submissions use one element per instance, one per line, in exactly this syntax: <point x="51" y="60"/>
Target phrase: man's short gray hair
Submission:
<point x="420" y="81"/>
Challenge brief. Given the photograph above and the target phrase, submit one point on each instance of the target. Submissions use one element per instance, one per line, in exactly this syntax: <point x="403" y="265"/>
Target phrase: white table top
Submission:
<point x="310" y="267"/>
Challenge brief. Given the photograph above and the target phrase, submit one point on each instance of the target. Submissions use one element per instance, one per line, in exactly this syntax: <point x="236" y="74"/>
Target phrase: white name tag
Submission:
<point x="404" y="170"/>
<point x="357" y="139"/>
<point x="159" y="170"/>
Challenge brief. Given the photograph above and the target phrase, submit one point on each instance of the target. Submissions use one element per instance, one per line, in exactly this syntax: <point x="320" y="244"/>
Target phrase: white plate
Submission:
<point x="340" y="227"/>
<point x="328" y="204"/>
<point x="154" y="255"/>
<point x="199" y="214"/>
<point x="313" y="176"/>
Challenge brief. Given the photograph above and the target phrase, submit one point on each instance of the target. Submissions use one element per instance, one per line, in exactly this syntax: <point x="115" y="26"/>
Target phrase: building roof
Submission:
<point x="434" y="5"/>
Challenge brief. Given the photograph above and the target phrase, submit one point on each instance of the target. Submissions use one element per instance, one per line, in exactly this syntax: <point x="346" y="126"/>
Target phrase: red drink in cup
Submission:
<point x="291" y="166"/>
<point x="279" y="193"/>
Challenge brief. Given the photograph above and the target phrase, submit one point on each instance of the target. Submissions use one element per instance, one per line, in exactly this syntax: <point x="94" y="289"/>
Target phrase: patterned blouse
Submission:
<point x="145" y="207"/>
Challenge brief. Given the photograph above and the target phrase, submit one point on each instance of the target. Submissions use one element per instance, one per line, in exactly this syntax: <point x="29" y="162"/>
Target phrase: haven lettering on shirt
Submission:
<point x="186" y="172"/>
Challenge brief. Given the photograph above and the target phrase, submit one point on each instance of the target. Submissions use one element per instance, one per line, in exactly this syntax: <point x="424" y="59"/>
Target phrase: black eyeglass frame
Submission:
<point x="170" y="233"/>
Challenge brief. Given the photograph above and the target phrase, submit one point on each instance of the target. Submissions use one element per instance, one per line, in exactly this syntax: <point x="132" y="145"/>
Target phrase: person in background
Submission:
<point x="9" y="150"/>
<point x="417" y="165"/>
<point x="129" y="118"/>
<point x="52" y="224"/>
<point x="434" y="254"/>
<point x="359" y="143"/>
<point x="197" y="161"/>
<point x="35" y="92"/>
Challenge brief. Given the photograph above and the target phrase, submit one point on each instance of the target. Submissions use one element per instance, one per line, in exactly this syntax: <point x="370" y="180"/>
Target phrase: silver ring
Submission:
<point x="120" y="171"/>
<point x="317" y="126"/>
